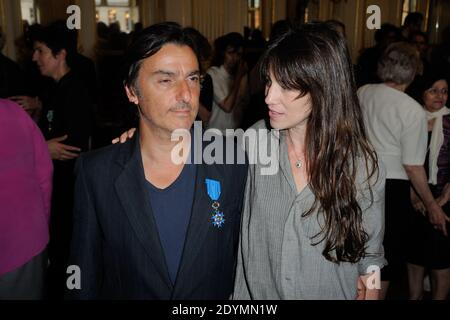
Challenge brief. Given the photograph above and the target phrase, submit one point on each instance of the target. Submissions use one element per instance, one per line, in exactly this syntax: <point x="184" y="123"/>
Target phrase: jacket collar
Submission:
<point x="131" y="190"/>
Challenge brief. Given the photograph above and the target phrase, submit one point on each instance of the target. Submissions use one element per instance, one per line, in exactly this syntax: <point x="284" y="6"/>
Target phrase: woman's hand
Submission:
<point x="366" y="292"/>
<point x="29" y="104"/>
<point x="60" y="151"/>
<point x="124" y="136"/>
<point x="417" y="202"/>
<point x="438" y="218"/>
<point x="445" y="195"/>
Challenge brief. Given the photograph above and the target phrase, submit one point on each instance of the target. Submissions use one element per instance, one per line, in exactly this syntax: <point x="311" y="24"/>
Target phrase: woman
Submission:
<point x="430" y="248"/>
<point x="396" y="126"/>
<point x="314" y="229"/>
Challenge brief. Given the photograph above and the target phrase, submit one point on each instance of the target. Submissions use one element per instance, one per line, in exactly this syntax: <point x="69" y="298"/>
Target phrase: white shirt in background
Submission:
<point x="222" y="84"/>
<point x="397" y="127"/>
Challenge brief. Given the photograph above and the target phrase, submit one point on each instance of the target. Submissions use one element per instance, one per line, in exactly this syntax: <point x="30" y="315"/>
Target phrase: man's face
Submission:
<point x="46" y="62"/>
<point x="232" y="58"/>
<point x="168" y="89"/>
<point x="420" y="43"/>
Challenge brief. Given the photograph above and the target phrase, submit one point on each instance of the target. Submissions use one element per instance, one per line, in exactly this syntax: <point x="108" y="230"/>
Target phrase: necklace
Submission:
<point x="298" y="162"/>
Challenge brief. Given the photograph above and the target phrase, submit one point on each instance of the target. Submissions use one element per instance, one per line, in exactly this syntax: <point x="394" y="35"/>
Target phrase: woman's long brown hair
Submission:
<point x="314" y="59"/>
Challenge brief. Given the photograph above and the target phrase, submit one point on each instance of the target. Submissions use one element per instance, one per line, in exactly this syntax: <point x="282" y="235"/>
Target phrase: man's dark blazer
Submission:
<point x="115" y="237"/>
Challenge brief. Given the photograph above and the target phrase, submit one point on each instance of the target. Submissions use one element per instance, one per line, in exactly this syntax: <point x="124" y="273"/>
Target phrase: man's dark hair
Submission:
<point x="232" y="40"/>
<point x="382" y="34"/>
<point x="149" y="42"/>
<point x="335" y="25"/>
<point x="57" y="37"/>
<point x="414" y="19"/>
<point x="278" y="29"/>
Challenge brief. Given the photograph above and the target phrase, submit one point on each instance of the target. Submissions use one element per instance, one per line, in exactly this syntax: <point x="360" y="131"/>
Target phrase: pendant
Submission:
<point x="298" y="163"/>
<point x="218" y="219"/>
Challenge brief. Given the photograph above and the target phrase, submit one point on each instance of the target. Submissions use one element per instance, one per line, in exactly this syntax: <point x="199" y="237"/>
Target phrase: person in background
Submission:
<point x="36" y="87"/>
<point x="26" y="188"/>
<point x="366" y="68"/>
<point x="429" y="249"/>
<point x="440" y="54"/>
<point x="397" y="127"/>
<point x="229" y="77"/>
<point x="420" y="40"/>
<point x="66" y="122"/>
<point x="413" y="23"/>
<point x="257" y="109"/>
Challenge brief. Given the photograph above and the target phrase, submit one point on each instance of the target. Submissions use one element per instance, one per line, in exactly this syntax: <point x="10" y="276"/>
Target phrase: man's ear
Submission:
<point x="62" y="55"/>
<point x="132" y="97"/>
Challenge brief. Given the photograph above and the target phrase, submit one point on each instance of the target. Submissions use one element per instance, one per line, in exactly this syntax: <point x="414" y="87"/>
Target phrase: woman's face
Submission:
<point x="286" y="109"/>
<point x="436" y="97"/>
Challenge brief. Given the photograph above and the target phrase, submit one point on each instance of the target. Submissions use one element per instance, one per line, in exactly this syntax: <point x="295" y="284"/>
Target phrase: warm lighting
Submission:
<point x="254" y="13"/>
<point x="122" y="13"/>
<point x="28" y="10"/>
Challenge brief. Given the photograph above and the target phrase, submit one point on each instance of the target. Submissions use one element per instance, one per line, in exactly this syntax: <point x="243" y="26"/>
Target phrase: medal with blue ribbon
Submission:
<point x="214" y="190"/>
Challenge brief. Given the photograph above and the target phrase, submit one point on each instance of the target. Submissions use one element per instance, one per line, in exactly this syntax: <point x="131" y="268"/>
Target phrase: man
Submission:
<point x="366" y="68"/>
<point x="146" y="227"/>
<point x="66" y="122"/>
<point x="413" y="23"/>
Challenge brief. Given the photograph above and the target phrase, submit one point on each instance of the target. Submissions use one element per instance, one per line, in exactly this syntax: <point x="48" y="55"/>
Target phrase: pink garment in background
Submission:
<point x="25" y="188"/>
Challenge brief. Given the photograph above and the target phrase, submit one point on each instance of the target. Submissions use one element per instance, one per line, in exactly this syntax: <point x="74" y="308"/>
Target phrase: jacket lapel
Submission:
<point x="199" y="224"/>
<point x="131" y="190"/>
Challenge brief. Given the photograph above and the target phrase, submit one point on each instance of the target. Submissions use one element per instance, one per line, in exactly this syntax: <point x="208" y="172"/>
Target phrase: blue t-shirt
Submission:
<point x="172" y="211"/>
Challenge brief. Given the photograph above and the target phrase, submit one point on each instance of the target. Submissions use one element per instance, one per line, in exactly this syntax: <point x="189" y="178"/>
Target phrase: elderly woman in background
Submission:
<point x="429" y="248"/>
<point x="397" y="127"/>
